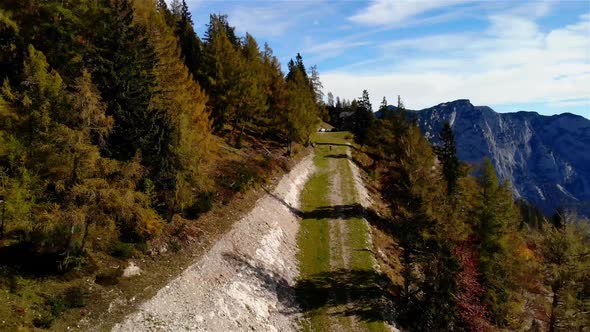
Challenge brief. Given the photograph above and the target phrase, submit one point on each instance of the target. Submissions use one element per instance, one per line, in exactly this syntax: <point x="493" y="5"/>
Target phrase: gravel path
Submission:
<point x="245" y="282"/>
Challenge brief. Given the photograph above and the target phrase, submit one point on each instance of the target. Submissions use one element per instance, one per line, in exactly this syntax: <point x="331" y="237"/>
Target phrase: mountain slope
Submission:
<point x="546" y="158"/>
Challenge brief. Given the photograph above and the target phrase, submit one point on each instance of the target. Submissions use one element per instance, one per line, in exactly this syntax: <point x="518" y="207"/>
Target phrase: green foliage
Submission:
<point x="468" y="262"/>
<point x="106" y="115"/>
<point x="122" y="250"/>
<point x="222" y="66"/>
<point x="500" y="260"/>
<point x="566" y="266"/>
<point x="127" y="82"/>
<point x="302" y="112"/>
<point x="190" y="44"/>
<point x="447" y="154"/>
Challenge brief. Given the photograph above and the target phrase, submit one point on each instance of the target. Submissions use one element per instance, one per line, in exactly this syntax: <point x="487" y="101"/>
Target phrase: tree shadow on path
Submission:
<point x="365" y="294"/>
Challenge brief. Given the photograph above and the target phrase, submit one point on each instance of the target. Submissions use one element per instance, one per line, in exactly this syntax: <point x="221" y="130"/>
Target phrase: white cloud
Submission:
<point x="389" y="12"/>
<point x="513" y="61"/>
<point x="264" y="21"/>
<point x="571" y="103"/>
<point x="272" y="19"/>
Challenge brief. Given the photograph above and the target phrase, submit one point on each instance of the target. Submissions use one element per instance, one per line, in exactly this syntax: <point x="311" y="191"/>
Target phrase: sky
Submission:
<point x="509" y="55"/>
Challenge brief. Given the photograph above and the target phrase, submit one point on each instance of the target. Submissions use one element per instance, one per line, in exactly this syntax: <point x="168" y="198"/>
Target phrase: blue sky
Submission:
<point x="510" y="55"/>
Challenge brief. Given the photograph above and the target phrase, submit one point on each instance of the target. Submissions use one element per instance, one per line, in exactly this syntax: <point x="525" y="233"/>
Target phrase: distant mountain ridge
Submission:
<point x="546" y="158"/>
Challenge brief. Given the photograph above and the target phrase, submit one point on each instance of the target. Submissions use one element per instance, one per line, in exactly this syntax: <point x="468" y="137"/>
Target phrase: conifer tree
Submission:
<point x="275" y="90"/>
<point x="122" y="66"/>
<point x="222" y="64"/>
<point x="316" y="84"/>
<point x="363" y="118"/>
<point x="177" y="173"/>
<point x="331" y="102"/>
<point x="500" y="259"/>
<point x="251" y="102"/>
<point x="9" y="40"/>
<point x="447" y="154"/>
<point x="190" y="44"/>
<point x="566" y="265"/>
<point x="302" y="113"/>
<point x="384" y="105"/>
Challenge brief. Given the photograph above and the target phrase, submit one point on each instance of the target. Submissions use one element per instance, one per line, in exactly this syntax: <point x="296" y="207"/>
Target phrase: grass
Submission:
<point x="314" y="236"/>
<point x="327" y="293"/>
<point x="339" y="137"/>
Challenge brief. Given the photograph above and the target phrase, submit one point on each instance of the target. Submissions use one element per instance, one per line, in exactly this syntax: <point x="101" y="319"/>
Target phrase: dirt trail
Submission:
<point x="245" y="282"/>
<point x="341" y="286"/>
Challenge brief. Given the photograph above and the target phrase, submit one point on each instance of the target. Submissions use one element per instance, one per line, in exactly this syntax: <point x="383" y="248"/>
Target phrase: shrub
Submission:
<point x="75" y="297"/>
<point x="108" y="278"/>
<point x="122" y="250"/>
<point x="174" y="246"/>
<point x="13" y="284"/>
<point x="203" y="203"/>
<point x="56" y="304"/>
<point x="247" y="176"/>
<point x="72" y="262"/>
<point x="43" y="321"/>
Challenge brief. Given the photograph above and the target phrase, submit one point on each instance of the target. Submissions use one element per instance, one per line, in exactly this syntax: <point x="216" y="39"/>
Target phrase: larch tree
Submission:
<point x="565" y="262"/>
<point x="302" y="113"/>
<point x="178" y="174"/>
<point x="222" y="64"/>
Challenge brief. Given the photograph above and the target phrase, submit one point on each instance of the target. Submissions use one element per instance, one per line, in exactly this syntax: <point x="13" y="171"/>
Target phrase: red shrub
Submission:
<point x="471" y="310"/>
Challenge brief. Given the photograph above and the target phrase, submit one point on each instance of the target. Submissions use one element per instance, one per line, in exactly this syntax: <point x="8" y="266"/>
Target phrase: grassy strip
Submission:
<point x="314" y="237"/>
<point x="361" y="257"/>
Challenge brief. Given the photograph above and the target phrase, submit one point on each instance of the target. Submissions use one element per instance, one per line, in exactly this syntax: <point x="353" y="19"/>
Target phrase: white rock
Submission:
<point x="131" y="270"/>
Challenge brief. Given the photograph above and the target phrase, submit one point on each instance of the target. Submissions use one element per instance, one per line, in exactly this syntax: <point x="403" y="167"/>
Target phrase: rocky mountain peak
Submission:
<point x="546" y="158"/>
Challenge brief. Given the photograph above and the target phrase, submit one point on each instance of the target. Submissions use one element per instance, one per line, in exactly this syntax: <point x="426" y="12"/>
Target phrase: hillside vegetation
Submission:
<point x="127" y="138"/>
<point x="118" y="126"/>
<point x="470" y="257"/>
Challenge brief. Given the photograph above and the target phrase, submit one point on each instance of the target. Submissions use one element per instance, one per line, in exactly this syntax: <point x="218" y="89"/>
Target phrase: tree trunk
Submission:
<point x="84" y="237"/>
<point x="239" y="138"/>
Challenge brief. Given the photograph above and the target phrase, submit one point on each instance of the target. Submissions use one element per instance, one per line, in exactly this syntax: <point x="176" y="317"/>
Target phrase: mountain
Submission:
<point x="546" y="158"/>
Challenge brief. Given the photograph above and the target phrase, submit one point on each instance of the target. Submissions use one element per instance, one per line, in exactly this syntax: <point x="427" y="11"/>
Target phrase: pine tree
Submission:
<point x="302" y="112"/>
<point x="363" y="118"/>
<point x="9" y="46"/>
<point x="331" y="102"/>
<point x="365" y="102"/>
<point x="122" y="66"/>
<point x="222" y="64"/>
<point x="316" y="85"/>
<point x="384" y="106"/>
<point x="447" y="154"/>
<point x="190" y="44"/>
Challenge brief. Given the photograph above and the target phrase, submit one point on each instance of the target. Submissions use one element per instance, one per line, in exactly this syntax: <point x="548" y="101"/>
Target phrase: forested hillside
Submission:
<point x="471" y="257"/>
<point x="112" y="117"/>
<point x="126" y="138"/>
